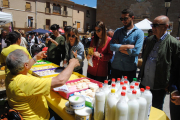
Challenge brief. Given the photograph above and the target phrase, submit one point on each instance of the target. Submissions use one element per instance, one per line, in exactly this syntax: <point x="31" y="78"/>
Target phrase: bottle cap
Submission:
<point x="147" y="88"/>
<point x="123" y="93"/>
<point x="126" y="82"/>
<point x="106" y="81"/>
<point x="113" y="85"/>
<point x="134" y="79"/>
<point x="134" y="92"/>
<point x="100" y="85"/>
<point x="124" y="87"/>
<point x="113" y="79"/>
<point x="136" y="84"/>
<point x="142" y="89"/>
<point x="118" y="79"/>
<point x="125" y="77"/>
<point x="113" y="90"/>
<point x="121" y="83"/>
<point x="132" y="87"/>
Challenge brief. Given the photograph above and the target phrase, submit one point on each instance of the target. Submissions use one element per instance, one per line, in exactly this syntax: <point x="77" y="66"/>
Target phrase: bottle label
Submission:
<point x="149" y="110"/>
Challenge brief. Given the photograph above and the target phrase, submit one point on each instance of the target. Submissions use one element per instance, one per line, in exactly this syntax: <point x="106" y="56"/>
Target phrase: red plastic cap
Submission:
<point x="106" y="81"/>
<point x="123" y="93"/>
<point x="45" y="49"/>
<point x="100" y="85"/>
<point x="121" y="83"/>
<point x="134" y="92"/>
<point x="124" y="87"/>
<point x="142" y="89"/>
<point x="113" y="85"/>
<point x="147" y="88"/>
<point x="132" y="87"/>
<point x="113" y="79"/>
<point x="118" y="79"/>
<point x="125" y="77"/>
<point x="126" y="82"/>
<point x="136" y="84"/>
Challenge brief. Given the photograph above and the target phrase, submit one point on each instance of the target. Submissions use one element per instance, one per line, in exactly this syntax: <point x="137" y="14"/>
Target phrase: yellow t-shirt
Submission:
<point x="27" y="95"/>
<point x="5" y="52"/>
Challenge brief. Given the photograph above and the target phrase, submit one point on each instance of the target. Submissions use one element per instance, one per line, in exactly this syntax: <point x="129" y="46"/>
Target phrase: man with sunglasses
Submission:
<point x="160" y="61"/>
<point x="127" y="42"/>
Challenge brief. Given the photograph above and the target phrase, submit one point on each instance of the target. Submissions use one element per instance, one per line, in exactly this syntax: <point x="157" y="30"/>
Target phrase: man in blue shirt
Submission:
<point x="127" y="43"/>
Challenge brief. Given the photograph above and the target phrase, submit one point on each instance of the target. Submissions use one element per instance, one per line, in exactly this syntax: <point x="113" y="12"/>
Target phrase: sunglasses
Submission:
<point x="73" y="36"/>
<point x="124" y="19"/>
<point x="156" y="25"/>
<point x="99" y="30"/>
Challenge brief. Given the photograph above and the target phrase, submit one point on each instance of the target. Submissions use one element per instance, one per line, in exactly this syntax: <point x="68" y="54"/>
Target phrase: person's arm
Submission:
<point x="64" y="76"/>
<point x="80" y="53"/>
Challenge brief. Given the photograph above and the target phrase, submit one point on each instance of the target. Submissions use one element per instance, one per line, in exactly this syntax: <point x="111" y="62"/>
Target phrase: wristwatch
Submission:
<point x="34" y="59"/>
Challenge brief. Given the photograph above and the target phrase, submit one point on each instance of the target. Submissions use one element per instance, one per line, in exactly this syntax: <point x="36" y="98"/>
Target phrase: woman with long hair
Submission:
<point x="74" y="49"/>
<point x="102" y="53"/>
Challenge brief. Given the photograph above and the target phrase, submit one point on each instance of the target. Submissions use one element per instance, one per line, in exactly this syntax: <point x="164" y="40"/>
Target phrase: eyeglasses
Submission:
<point x="156" y="25"/>
<point x="73" y="36"/>
<point x="124" y="19"/>
<point x="99" y="30"/>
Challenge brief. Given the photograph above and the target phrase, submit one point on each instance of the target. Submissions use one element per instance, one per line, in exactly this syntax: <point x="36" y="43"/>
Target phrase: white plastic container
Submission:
<point x="113" y="86"/>
<point x="106" y="88"/>
<point x="134" y="81"/>
<point x="133" y="107"/>
<point x="148" y="96"/>
<point x="110" y="108"/>
<point x="99" y="104"/>
<point x="68" y="109"/>
<point x="113" y="81"/>
<point x="83" y="114"/>
<point x="118" y="83"/>
<point x="125" y="79"/>
<point x="126" y="84"/>
<point x="120" y="89"/>
<point x="138" y="94"/>
<point x="129" y="92"/>
<point x="77" y="102"/>
<point x="121" y="108"/>
<point x="142" y="106"/>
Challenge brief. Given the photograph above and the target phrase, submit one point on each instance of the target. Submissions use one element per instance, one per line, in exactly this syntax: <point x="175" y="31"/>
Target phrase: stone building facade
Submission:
<point x="109" y="11"/>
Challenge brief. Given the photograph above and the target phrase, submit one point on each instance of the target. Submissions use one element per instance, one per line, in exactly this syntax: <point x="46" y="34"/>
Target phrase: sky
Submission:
<point x="89" y="3"/>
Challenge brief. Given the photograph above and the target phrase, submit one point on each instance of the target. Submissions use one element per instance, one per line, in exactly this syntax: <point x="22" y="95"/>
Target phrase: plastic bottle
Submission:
<point x="118" y="83"/>
<point x="111" y="106"/>
<point x="122" y="108"/>
<point x="124" y="90"/>
<point x="106" y="88"/>
<point x="113" y="81"/>
<point x="125" y="79"/>
<point x="113" y="86"/>
<point x="99" y="104"/>
<point x="142" y="106"/>
<point x="126" y="84"/>
<point x="148" y="96"/>
<point x="129" y="92"/>
<point x="134" y="81"/>
<point x="133" y="107"/>
<point x="136" y="87"/>
<point x="120" y="89"/>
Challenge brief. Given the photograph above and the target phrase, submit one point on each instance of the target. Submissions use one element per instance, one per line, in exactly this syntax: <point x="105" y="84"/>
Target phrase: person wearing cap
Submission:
<point x="56" y="46"/>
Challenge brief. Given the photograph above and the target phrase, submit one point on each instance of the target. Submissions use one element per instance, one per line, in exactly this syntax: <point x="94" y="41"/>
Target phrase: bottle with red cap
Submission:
<point x="113" y="81"/>
<point x="113" y="86"/>
<point x="148" y="96"/>
<point x="129" y="92"/>
<point x="136" y="87"/>
<point x="99" y="104"/>
<point x="106" y="88"/>
<point x="134" y="81"/>
<point x="142" y="105"/>
<point x="120" y="89"/>
<point x="126" y="84"/>
<point x="133" y="107"/>
<point x="124" y="90"/>
<point x="118" y="83"/>
<point x="125" y="79"/>
<point x="122" y="108"/>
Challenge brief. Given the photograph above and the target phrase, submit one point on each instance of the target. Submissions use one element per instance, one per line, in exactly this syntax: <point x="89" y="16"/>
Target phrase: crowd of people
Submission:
<point x="115" y="54"/>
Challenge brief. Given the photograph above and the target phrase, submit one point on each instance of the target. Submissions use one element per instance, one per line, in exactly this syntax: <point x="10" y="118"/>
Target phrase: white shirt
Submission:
<point x="32" y="41"/>
<point x="3" y="44"/>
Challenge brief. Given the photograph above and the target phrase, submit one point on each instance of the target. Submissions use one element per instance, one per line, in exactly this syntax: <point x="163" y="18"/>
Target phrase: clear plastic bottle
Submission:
<point x="99" y="104"/>
<point x="148" y="96"/>
<point x="136" y="87"/>
<point x="125" y="79"/>
<point x="120" y="89"/>
<point x="133" y="107"/>
<point x="126" y="84"/>
<point x="106" y="88"/>
<point x="134" y="81"/>
<point x="113" y="81"/>
<point x="122" y="108"/>
<point x="142" y="105"/>
<point x="129" y="92"/>
<point x="113" y="86"/>
<point x="110" y="108"/>
<point x="118" y="83"/>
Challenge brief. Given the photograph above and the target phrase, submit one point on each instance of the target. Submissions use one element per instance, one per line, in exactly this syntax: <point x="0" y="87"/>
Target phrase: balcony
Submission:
<point x="5" y="4"/>
<point x="47" y="10"/>
<point x="58" y="12"/>
<point x="65" y="13"/>
<point x="28" y="8"/>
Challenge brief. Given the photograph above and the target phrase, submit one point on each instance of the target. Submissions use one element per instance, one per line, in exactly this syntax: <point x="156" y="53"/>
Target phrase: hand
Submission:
<point x="74" y="61"/>
<point x="130" y="46"/>
<point x="48" y="39"/>
<point x="88" y="57"/>
<point x="75" y="54"/>
<point x="96" y="54"/>
<point x="175" y="98"/>
<point x="41" y="55"/>
<point x="116" y="41"/>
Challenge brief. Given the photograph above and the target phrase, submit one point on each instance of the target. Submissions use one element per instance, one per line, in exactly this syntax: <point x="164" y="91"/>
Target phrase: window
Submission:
<point x="30" y="22"/>
<point x="65" y="8"/>
<point x="5" y="3"/>
<point x="28" y="6"/>
<point x="87" y="13"/>
<point x="56" y="9"/>
<point x="48" y="24"/>
<point x="47" y="9"/>
<point x="64" y="23"/>
<point x="47" y="4"/>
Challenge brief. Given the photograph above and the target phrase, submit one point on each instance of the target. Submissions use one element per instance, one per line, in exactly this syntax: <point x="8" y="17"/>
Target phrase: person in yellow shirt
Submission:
<point x="15" y="39"/>
<point x="26" y="94"/>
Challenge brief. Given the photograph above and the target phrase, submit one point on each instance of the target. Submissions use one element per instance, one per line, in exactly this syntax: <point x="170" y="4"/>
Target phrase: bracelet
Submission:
<point x="34" y="59"/>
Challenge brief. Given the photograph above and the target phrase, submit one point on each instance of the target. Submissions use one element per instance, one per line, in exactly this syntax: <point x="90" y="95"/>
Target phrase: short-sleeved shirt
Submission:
<point x="5" y="52"/>
<point x="26" y="94"/>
